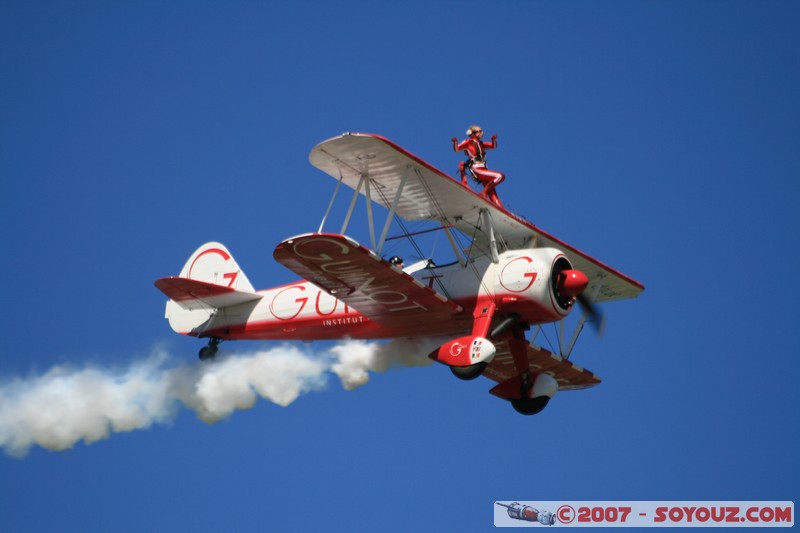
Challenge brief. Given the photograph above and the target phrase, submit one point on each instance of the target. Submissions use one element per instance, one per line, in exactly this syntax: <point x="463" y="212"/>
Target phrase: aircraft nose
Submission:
<point x="572" y="282"/>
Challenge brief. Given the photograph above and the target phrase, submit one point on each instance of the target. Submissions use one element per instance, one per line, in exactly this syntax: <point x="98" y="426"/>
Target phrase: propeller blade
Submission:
<point x="593" y="313"/>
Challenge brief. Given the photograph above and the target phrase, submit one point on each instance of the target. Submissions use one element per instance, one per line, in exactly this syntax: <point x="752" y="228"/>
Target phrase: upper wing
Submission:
<point x="569" y="376"/>
<point x="427" y="193"/>
<point x="423" y="192"/>
<point x="362" y="280"/>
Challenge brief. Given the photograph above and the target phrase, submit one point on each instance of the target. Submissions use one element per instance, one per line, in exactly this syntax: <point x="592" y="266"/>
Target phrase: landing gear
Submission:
<point x="525" y="404"/>
<point x="470" y="372"/>
<point x="530" y="406"/>
<point x="535" y="393"/>
<point x="209" y="352"/>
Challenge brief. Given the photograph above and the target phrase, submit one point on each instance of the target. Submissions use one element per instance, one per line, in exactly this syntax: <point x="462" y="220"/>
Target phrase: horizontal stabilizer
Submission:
<point x="192" y="294"/>
<point x="361" y="279"/>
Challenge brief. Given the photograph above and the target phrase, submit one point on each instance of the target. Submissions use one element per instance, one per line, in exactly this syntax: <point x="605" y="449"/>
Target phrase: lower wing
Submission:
<point x="503" y="370"/>
<point x="361" y="279"/>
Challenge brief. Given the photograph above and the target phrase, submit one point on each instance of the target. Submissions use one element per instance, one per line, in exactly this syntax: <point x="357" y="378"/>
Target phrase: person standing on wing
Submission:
<point x="475" y="150"/>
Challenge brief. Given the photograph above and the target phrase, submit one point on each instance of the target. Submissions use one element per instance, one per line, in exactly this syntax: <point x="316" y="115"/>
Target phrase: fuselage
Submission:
<point x="521" y="282"/>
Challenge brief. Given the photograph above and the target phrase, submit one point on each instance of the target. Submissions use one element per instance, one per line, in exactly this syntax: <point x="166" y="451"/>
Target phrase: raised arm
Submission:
<point x="491" y="145"/>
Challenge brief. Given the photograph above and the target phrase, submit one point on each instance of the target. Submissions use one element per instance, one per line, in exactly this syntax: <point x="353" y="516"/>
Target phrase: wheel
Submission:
<point x="468" y="372"/>
<point x="208" y="353"/>
<point x="530" y="406"/>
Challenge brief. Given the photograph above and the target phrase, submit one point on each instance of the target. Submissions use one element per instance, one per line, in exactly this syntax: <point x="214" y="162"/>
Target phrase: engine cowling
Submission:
<point x="540" y="284"/>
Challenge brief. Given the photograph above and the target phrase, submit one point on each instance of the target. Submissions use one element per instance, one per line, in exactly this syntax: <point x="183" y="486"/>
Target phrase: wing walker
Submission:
<point x="506" y="277"/>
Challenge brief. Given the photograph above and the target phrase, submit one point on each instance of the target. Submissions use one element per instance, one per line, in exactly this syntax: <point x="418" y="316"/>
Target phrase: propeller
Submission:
<point x="593" y="313"/>
<point x="572" y="284"/>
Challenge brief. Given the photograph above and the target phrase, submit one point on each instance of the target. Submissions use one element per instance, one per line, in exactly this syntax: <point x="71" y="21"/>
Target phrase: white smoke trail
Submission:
<point x="65" y="406"/>
<point x="215" y="391"/>
<point x="355" y="358"/>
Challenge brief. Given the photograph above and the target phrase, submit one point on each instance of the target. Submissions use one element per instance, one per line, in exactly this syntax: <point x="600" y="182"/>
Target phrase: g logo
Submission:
<point x="456" y="348"/>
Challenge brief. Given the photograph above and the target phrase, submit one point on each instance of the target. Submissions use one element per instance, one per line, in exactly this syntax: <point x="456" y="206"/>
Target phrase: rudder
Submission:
<point x="213" y="263"/>
<point x="211" y="280"/>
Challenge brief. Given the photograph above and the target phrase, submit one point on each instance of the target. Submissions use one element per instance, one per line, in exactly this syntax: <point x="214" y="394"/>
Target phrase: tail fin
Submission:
<point x="213" y="263"/>
<point x="211" y="279"/>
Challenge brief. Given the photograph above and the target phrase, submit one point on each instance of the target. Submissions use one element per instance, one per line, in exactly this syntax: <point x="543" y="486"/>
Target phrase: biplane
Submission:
<point x="506" y="276"/>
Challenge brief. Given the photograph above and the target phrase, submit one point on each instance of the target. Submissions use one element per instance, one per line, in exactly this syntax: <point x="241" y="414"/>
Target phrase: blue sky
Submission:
<point x="660" y="137"/>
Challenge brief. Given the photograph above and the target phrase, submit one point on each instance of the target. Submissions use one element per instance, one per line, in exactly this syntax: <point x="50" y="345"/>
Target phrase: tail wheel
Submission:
<point x="530" y="406"/>
<point x="470" y="372"/>
<point x="209" y="352"/>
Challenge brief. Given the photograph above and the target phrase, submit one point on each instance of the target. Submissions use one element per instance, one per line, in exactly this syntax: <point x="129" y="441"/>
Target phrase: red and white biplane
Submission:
<point x="508" y="276"/>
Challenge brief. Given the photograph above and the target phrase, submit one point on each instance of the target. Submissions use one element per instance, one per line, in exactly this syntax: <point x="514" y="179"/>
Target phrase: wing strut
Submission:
<point x="352" y="207"/>
<point x="393" y="210"/>
<point x="451" y="240"/>
<point x="492" y="240"/>
<point x="370" y="220"/>
<point x="330" y="205"/>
